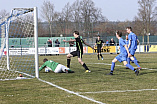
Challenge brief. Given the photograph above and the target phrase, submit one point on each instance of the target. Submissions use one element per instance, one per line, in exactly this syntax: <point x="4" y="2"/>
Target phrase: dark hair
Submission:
<point x="119" y="33"/>
<point x="76" y="32"/>
<point x="129" y="28"/>
<point x="98" y="35"/>
<point x="45" y="59"/>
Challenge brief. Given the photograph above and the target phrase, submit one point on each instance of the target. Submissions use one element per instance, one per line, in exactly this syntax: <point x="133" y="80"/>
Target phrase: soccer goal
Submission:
<point x="19" y="45"/>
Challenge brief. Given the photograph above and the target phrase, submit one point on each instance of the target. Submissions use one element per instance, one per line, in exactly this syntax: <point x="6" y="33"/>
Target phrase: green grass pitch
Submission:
<point x="124" y="87"/>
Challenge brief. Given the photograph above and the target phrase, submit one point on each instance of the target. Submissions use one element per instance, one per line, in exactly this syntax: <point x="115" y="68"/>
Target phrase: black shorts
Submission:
<point x="77" y="53"/>
<point x="98" y="50"/>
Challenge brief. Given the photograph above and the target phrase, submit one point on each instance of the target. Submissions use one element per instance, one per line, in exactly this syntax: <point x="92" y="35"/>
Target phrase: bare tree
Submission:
<point x="66" y="17"/>
<point x="47" y="10"/>
<point x="137" y="25"/>
<point x="155" y="14"/>
<point x="76" y="15"/>
<point x="3" y="13"/>
<point x="145" y="14"/>
<point x="89" y="14"/>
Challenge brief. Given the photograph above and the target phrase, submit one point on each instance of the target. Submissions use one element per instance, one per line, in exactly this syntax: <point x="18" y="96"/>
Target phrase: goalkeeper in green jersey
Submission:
<point x="55" y="67"/>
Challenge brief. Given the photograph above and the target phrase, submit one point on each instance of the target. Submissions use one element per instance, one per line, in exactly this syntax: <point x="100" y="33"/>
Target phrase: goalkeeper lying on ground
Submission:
<point x="55" y="67"/>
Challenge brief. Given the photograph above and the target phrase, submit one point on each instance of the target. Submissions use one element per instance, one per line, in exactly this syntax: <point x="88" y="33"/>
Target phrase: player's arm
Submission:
<point x="73" y="43"/>
<point x="102" y="44"/>
<point x="118" y="48"/>
<point x="129" y="43"/>
<point x="69" y="40"/>
<point x="87" y="44"/>
<point x="138" y="41"/>
<point x="129" y="39"/>
<point x="95" y="46"/>
<point x="43" y="66"/>
<point x="127" y="50"/>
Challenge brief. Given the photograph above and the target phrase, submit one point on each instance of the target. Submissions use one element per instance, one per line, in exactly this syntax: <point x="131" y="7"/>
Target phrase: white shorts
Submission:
<point x="60" y="68"/>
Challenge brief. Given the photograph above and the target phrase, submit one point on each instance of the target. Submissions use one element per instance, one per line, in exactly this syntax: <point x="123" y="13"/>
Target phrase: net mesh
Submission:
<point x="20" y="24"/>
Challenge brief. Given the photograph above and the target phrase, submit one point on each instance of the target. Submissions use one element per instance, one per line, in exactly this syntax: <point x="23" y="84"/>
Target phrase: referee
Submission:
<point x="99" y="45"/>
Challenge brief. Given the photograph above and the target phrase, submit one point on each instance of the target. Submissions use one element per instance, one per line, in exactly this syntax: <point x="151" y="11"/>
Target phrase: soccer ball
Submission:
<point x="47" y="70"/>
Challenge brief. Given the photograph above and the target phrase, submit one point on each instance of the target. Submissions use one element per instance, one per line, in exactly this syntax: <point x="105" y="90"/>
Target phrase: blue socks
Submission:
<point x="127" y="65"/>
<point x="136" y="63"/>
<point x="130" y="67"/>
<point x="128" y="60"/>
<point x="112" y="66"/>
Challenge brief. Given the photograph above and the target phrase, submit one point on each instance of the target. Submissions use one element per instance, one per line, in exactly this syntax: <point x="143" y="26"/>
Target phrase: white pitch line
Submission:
<point x="118" y="91"/>
<point x="71" y="92"/>
<point x="119" y="65"/>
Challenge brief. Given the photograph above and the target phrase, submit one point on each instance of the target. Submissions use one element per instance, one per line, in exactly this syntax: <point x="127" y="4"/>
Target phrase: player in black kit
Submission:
<point x="99" y="45"/>
<point x="78" y="52"/>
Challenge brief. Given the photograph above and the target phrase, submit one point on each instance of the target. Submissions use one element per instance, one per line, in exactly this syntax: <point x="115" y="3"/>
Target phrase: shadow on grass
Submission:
<point x="143" y="73"/>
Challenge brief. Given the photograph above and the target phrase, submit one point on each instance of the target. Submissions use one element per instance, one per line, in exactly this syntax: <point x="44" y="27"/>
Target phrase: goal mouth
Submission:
<point x="16" y="38"/>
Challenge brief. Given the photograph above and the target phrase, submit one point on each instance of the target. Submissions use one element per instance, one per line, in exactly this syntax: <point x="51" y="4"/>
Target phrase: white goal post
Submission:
<point x="19" y="44"/>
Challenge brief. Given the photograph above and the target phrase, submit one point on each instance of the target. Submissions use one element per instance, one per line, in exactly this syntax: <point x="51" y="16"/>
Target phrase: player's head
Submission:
<point x="128" y="29"/>
<point x="126" y="37"/>
<point x="45" y="59"/>
<point x="76" y="33"/>
<point x="98" y="37"/>
<point x="118" y="34"/>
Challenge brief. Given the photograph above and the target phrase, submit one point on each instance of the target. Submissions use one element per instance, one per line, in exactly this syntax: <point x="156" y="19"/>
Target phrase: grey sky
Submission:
<point x="113" y="9"/>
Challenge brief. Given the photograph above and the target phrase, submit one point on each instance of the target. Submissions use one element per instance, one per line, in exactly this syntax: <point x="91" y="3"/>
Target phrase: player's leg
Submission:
<point x="68" y="60"/>
<point x="98" y="52"/>
<point x="131" y="67"/>
<point x="132" y="52"/>
<point x="58" y="69"/>
<point x="84" y="65"/>
<point x="117" y="58"/>
<point x="79" y="54"/>
<point x="135" y="59"/>
<point x="65" y="69"/>
<point x="98" y="56"/>
<point x="128" y="60"/>
<point x="72" y="54"/>
<point x="113" y="65"/>
<point x="101" y="56"/>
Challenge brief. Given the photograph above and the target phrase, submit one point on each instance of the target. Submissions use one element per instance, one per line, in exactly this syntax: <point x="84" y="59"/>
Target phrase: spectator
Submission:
<point x="71" y="43"/>
<point x="112" y="42"/>
<point x="107" y="43"/>
<point x="57" y="43"/>
<point x="49" y="42"/>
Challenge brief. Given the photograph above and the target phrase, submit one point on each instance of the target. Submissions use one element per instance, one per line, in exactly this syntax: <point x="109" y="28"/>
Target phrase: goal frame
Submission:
<point x="35" y="40"/>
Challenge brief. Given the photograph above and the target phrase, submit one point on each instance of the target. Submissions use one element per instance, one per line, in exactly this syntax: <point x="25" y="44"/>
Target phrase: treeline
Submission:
<point x="84" y="16"/>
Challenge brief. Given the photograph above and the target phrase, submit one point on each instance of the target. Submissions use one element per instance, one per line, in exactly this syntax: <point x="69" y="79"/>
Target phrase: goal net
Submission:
<point x="17" y="44"/>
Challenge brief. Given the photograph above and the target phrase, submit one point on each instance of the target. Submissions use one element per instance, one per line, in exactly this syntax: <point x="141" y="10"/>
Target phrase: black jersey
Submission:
<point x="99" y="43"/>
<point x="79" y="44"/>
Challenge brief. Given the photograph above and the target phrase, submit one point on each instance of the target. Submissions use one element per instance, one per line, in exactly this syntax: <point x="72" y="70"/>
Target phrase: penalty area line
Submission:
<point x="118" y="91"/>
<point x="71" y="92"/>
